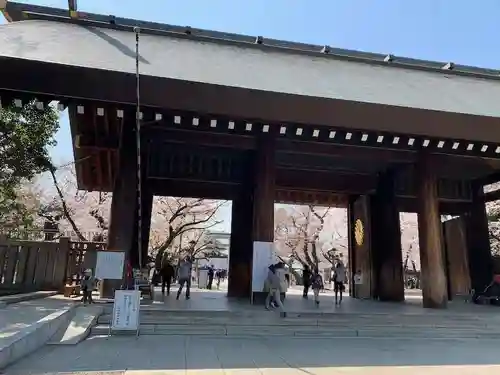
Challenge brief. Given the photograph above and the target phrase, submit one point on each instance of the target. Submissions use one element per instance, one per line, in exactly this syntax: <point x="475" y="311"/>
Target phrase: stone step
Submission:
<point x="26" y="326"/>
<point x="296" y="331"/>
<point x="78" y="327"/>
<point x="273" y="319"/>
<point x="337" y="315"/>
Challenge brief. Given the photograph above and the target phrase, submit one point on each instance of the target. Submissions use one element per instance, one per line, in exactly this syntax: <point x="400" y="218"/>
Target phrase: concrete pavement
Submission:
<point x="25" y="326"/>
<point x="148" y="355"/>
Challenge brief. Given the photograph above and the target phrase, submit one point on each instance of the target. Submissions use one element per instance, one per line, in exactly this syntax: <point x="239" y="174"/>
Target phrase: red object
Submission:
<point x="496" y="279"/>
<point x="129" y="271"/>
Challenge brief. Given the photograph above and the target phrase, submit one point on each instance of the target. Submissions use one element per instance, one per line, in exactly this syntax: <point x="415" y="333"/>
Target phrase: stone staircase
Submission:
<point x="264" y="324"/>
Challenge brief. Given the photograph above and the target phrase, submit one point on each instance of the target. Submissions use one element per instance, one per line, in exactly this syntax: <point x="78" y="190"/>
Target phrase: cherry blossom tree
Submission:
<point x="409" y="239"/>
<point x="74" y="213"/>
<point x="179" y="228"/>
<point x="18" y="213"/>
<point x="493" y="211"/>
<point x="308" y="234"/>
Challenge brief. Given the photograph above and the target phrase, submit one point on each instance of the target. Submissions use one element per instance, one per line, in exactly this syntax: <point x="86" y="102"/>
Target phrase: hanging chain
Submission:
<point x="138" y="144"/>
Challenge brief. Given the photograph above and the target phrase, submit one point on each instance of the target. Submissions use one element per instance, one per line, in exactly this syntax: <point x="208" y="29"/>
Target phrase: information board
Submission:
<point x="263" y="256"/>
<point x="110" y="265"/>
<point x="126" y="308"/>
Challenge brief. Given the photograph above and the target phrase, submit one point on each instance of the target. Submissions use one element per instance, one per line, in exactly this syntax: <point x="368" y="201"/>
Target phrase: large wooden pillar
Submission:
<point x="123" y="220"/>
<point x="457" y="263"/>
<point x="478" y="242"/>
<point x="264" y="190"/>
<point x="434" y="287"/>
<point x="252" y="217"/>
<point x="361" y="250"/>
<point x="350" y="245"/>
<point x="241" y="250"/>
<point x="386" y="241"/>
<point x="263" y="197"/>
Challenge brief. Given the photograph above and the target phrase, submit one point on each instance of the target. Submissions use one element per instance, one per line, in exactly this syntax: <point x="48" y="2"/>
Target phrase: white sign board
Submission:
<point x="126" y="310"/>
<point x="110" y="265"/>
<point x="263" y="256"/>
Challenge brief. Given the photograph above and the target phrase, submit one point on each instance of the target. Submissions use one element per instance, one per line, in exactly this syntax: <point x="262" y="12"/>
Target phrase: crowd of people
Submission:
<point x="183" y="273"/>
<point x="276" y="284"/>
<point x="278" y="281"/>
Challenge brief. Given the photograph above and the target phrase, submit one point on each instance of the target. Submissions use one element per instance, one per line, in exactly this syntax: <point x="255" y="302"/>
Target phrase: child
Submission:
<point x="317" y="285"/>
<point x="87" y="286"/>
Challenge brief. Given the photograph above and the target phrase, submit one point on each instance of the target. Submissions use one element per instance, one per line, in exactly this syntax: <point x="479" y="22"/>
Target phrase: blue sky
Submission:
<point x="461" y="31"/>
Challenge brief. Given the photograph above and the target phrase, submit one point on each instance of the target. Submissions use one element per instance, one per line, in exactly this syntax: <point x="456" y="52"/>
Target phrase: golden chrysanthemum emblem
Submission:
<point x="359" y="232"/>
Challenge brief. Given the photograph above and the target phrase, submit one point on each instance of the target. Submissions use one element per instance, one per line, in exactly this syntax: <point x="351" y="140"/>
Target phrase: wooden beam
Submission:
<point x="339" y="183"/>
<point x="490" y="179"/>
<point x="492" y="196"/>
<point x="321" y="198"/>
<point x="191" y="189"/>
<point x="111" y="86"/>
<point x="90" y="142"/>
<point x="204" y="138"/>
<point x="446" y="207"/>
<point x="352" y="152"/>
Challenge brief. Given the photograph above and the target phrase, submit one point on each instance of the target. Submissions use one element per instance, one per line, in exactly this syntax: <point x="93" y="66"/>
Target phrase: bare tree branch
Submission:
<point x="64" y="206"/>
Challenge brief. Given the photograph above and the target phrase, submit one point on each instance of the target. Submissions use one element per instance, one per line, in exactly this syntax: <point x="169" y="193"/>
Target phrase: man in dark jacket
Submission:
<point x="306" y="281"/>
<point x="167" y="273"/>
<point x="211" y="274"/>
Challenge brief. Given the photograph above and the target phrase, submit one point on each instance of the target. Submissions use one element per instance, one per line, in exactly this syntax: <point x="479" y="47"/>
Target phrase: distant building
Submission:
<point x="222" y="241"/>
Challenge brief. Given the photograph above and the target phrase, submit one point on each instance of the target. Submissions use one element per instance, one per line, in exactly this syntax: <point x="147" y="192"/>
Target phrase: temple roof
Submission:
<point x="278" y="68"/>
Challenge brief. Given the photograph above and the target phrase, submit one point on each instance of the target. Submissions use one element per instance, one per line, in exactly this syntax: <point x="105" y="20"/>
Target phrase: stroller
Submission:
<point x="491" y="293"/>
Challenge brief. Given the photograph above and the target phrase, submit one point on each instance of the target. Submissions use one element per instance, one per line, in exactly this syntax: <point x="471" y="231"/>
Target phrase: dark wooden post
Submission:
<point x="361" y="232"/>
<point x="434" y="286"/>
<point x="386" y="241"/>
<point x="457" y="263"/>
<point x="263" y="197"/>
<point x="350" y="246"/>
<point x="123" y="222"/>
<point x="241" y="251"/>
<point x="478" y="242"/>
<point x="264" y="190"/>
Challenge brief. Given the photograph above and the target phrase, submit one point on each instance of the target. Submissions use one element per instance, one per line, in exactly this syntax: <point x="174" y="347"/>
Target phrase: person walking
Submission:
<point x="185" y="270"/>
<point x="306" y="280"/>
<point x="339" y="281"/>
<point x="87" y="286"/>
<point x="218" y="275"/>
<point x="167" y="273"/>
<point x="211" y="272"/>
<point x="317" y="285"/>
<point x="275" y="282"/>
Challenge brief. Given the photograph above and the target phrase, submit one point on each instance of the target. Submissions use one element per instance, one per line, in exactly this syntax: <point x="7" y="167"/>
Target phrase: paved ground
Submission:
<point x="16" y="317"/>
<point x="190" y="355"/>
<point x="209" y="356"/>
<point x="216" y="300"/>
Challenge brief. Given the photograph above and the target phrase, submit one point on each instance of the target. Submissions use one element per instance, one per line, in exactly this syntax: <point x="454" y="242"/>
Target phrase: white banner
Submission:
<point x="126" y="308"/>
<point x="263" y="256"/>
<point x="110" y="265"/>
